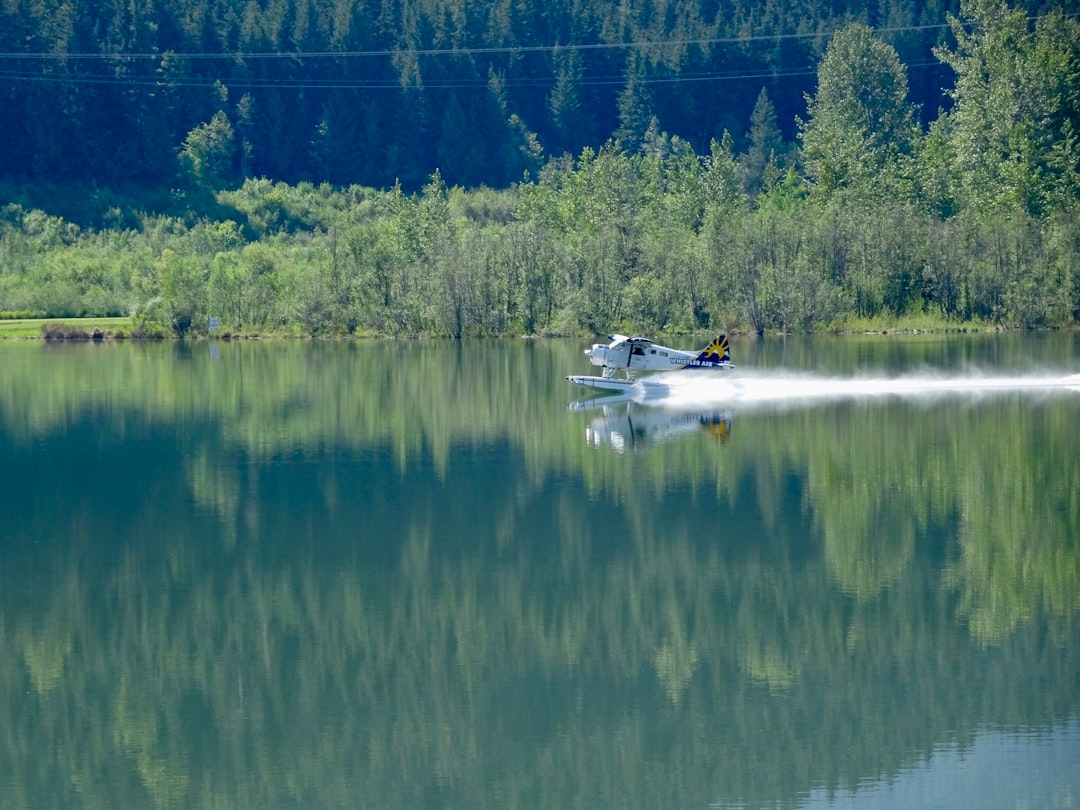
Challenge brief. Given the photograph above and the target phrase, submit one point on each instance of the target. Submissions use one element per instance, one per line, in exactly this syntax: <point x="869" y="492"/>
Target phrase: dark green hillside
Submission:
<point x="343" y="91"/>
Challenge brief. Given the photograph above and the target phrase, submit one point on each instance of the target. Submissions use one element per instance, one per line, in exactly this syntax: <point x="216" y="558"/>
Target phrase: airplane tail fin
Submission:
<point x="716" y="352"/>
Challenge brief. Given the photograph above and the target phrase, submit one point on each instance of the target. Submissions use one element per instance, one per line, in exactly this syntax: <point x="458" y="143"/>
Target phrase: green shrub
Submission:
<point x="64" y="331"/>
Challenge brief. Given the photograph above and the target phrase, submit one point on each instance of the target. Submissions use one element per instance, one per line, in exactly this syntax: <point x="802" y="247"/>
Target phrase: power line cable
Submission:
<point x="395" y="84"/>
<point x="369" y="83"/>
<point x="455" y="51"/>
<point x="242" y="56"/>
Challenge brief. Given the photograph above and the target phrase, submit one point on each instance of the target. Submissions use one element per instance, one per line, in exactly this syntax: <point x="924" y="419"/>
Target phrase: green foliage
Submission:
<point x="767" y="153"/>
<point x="180" y="303"/>
<point x="421" y="268"/>
<point x="209" y="150"/>
<point x="656" y="223"/>
<point x="372" y="94"/>
<point x="858" y="137"/>
<point x="1012" y="130"/>
<point x="661" y="238"/>
<point x="635" y="106"/>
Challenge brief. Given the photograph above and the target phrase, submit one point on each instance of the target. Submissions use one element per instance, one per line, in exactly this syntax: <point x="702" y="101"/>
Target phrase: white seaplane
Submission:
<point x="633" y="354"/>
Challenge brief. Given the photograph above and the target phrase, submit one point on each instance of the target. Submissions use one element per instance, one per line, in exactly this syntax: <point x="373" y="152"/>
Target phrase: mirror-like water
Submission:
<point x="398" y="574"/>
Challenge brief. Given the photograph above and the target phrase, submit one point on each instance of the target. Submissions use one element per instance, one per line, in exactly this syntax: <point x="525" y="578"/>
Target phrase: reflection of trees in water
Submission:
<point x="703" y="625"/>
<point x="673" y="663"/>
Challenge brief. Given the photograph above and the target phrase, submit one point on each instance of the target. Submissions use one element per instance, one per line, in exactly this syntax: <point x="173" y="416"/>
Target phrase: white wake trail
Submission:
<point x="791" y="389"/>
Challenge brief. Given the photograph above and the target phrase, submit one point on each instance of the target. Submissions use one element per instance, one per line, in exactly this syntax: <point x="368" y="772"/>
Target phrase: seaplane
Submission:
<point x="631" y="355"/>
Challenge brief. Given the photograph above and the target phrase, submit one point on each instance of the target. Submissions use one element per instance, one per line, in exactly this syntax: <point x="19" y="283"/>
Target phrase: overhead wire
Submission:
<point x="241" y="55"/>
<point x="239" y="82"/>
<point x="371" y="83"/>
<point x="116" y="59"/>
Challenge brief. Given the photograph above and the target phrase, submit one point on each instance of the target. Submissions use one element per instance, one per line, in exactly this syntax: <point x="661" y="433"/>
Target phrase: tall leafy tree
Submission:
<point x="860" y="128"/>
<point x="1012" y="129"/>
<point x="1057" y="55"/>
<point x="209" y="149"/>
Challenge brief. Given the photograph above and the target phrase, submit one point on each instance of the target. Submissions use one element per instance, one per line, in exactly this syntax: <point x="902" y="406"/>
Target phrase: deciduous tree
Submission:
<point x="1013" y="127"/>
<point x="860" y="128"/>
<point x="208" y="150"/>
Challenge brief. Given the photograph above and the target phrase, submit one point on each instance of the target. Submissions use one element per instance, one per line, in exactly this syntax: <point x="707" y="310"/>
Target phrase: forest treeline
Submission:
<point x="861" y="206"/>
<point x="349" y="92"/>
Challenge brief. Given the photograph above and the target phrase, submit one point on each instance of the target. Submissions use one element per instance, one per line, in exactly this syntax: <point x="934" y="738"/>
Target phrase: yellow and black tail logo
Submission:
<point x="716" y="352"/>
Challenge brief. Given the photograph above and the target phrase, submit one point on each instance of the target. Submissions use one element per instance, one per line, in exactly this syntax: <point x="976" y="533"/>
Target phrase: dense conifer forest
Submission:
<point x="353" y="92"/>
<point x="539" y="167"/>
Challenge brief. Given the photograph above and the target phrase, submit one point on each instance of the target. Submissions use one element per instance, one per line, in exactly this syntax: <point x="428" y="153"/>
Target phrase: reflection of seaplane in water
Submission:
<point x="624" y="423"/>
<point x="633" y="354"/>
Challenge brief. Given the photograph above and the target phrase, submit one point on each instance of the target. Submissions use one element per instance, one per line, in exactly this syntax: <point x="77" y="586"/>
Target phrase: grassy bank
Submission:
<point x="65" y="328"/>
<point x="121" y="328"/>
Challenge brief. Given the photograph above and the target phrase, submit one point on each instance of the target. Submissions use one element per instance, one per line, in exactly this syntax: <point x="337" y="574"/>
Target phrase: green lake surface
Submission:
<point x="424" y="574"/>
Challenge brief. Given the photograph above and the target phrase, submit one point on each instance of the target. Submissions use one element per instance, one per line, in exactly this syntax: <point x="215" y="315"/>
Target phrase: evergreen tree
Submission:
<point x="245" y="122"/>
<point x="635" y="106"/>
<point x="460" y="151"/>
<point x="568" y="117"/>
<point x="766" y="153"/>
<point x="358" y="92"/>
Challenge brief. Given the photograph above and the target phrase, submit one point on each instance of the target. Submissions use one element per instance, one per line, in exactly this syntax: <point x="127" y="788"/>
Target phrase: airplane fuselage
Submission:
<point x="633" y="354"/>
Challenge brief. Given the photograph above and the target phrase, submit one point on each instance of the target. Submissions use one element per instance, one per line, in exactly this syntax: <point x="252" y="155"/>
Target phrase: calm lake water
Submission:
<point x="435" y="574"/>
